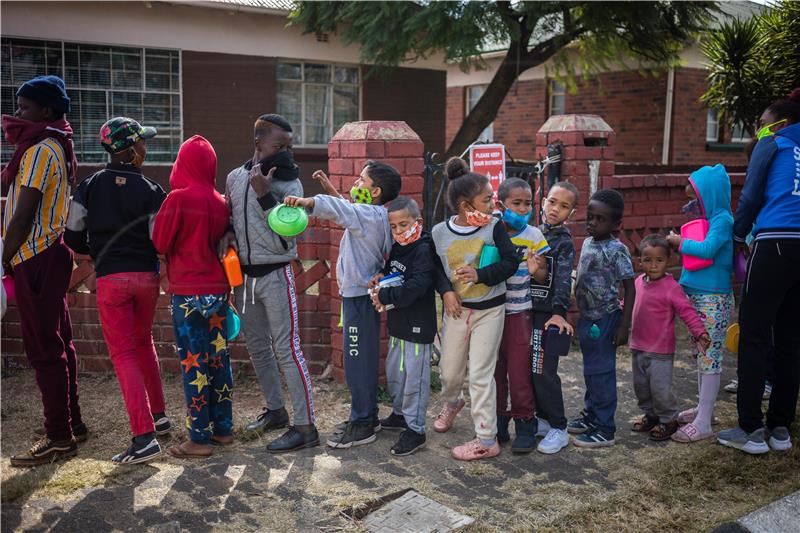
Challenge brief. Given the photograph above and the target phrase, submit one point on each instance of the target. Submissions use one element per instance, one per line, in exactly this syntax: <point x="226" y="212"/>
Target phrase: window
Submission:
<point x="474" y="94"/>
<point x="102" y="82"/>
<point x="712" y="126"/>
<point x="739" y="133"/>
<point x="317" y="98"/>
<point x="558" y="97"/>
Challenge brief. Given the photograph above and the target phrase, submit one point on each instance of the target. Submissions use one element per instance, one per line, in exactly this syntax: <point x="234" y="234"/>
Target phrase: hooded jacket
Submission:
<point x="191" y="222"/>
<point x="555" y="294"/>
<point x="770" y="198"/>
<point x="712" y="186"/>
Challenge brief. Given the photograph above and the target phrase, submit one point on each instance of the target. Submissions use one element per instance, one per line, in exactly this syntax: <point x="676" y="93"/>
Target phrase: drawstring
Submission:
<point x="393" y="342"/>
<point x="252" y="294"/>
<point x="244" y="299"/>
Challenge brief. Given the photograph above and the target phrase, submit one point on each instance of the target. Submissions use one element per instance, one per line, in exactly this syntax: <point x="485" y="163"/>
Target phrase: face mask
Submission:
<point x="138" y="159"/>
<point x="283" y="163"/>
<point x="766" y="131"/>
<point x="360" y="195"/>
<point x="412" y="235"/>
<point x="477" y="219"/>
<point x="515" y="220"/>
<point x="693" y="210"/>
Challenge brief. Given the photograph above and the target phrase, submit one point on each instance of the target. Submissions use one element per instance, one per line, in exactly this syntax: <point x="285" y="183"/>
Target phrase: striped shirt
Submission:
<point x="518" y="286"/>
<point x="42" y="168"/>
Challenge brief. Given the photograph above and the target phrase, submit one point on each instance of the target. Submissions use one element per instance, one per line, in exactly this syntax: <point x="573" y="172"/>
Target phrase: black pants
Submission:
<point x="770" y="308"/>
<point x="546" y="382"/>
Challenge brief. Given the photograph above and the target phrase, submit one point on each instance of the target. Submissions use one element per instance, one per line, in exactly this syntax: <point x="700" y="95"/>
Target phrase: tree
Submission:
<point x="531" y="33"/>
<point x="752" y="63"/>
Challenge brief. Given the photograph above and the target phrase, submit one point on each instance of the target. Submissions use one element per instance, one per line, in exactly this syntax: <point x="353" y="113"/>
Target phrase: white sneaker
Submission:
<point x="779" y="439"/>
<point x="733" y="386"/>
<point x="543" y="429"/>
<point x="555" y="441"/>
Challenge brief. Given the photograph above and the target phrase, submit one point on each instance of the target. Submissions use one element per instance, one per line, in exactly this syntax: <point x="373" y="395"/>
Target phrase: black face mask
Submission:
<point x="285" y="167"/>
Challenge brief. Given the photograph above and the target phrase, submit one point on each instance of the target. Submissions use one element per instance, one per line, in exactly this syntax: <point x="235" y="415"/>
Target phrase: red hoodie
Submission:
<point x="191" y="222"/>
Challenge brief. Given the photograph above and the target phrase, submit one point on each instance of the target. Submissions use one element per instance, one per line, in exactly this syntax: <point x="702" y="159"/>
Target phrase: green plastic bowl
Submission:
<point x="288" y="221"/>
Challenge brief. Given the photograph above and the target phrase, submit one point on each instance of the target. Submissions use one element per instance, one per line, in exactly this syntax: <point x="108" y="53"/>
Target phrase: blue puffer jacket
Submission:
<point x="712" y="185"/>
<point x="771" y="192"/>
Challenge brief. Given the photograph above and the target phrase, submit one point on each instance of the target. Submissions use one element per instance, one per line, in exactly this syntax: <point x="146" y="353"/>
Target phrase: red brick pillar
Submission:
<point x="390" y="142"/>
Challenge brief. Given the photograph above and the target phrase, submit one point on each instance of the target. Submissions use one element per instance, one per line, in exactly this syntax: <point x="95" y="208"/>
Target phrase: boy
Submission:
<point x="551" y="301"/>
<point x="411" y="324"/>
<point x="39" y="175"/>
<point x="267" y="302"/>
<point x="604" y="263"/>
<point x="513" y="371"/>
<point x="109" y="219"/>
<point x="366" y="241"/>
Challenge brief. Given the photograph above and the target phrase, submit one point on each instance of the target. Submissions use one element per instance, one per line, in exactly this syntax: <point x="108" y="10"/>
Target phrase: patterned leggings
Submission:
<point x="716" y="311"/>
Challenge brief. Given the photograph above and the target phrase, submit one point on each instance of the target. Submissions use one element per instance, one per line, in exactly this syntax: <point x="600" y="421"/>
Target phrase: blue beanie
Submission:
<point x="47" y="91"/>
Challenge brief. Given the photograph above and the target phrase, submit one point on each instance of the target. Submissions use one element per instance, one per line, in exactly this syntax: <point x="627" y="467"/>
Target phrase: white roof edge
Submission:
<point x="231" y="7"/>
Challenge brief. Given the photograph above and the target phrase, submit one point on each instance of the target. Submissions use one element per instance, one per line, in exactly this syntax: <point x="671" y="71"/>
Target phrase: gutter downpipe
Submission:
<point x="668" y="117"/>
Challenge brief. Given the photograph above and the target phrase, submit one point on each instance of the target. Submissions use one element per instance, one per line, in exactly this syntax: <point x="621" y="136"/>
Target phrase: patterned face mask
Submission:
<point x="693" y="210"/>
<point x="360" y="195"/>
<point x="412" y="235"/>
<point x="477" y="218"/>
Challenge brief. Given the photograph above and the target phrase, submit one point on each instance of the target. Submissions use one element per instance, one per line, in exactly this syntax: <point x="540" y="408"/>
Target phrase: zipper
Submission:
<point x="246" y="232"/>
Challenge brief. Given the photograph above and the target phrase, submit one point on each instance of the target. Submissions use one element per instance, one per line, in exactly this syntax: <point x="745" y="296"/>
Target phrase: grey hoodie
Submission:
<point x="365" y="244"/>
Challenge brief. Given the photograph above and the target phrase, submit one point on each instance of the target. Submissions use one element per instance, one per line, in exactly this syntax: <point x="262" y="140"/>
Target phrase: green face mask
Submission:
<point x="360" y="195"/>
<point x="766" y="131"/>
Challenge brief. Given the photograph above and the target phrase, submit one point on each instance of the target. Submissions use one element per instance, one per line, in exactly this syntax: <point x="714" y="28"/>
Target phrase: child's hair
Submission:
<point x="463" y="185"/>
<point x="654" y="240"/>
<point x="613" y="199"/>
<point x="386" y="177"/>
<point x="570" y="187"/>
<point x="788" y="108"/>
<point x="405" y="203"/>
<point x="509" y="185"/>
<point x="276" y="120"/>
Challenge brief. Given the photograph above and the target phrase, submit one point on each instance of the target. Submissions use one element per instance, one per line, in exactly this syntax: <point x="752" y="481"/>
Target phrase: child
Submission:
<point x="473" y="334"/>
<point x="366" y="241"/>
<point x="551" y="301"/>
<point x="187" y="230"/>
<point x="658" y="299"/>
<point x="109" y="219"/>
<point x="604" y="264"/>
<point x="512" y="374"/>
<point x="411" y="323"/>
<point x="709" y="289"/>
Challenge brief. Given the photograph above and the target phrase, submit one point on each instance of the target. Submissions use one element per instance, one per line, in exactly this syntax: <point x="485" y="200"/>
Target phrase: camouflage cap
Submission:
<point x="120" y="133"/>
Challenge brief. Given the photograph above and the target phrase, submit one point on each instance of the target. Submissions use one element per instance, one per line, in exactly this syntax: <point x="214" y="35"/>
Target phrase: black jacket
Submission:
<point x="109" y="218"/>
<point x="555" y="294"/>
<point x="413" y="318"/>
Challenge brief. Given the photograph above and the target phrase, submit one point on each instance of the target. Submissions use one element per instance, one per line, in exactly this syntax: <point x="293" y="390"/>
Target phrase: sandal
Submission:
<point x="180" y="452"/>
<point x="644" y="424"/>
<point x="663" y="431"/>
<point x="687" y="417"/>
<point x="222" y="440"/>
<point x="690" y="433"/>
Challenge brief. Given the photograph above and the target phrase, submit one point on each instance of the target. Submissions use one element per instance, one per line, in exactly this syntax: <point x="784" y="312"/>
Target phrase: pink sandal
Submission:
<point x="688" y="416"/>
<point x="690" y="433"/>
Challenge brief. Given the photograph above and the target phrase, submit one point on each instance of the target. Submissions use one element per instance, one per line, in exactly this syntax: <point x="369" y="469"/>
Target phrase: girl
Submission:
<point x="474" y="333"/>
<point x="187" y="230"/>
<point x="709" y="289"/>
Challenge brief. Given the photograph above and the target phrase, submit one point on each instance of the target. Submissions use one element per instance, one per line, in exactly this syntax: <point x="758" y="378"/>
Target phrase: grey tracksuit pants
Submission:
<point x="408" y="378"/>
<point x="268" y="309"/>
<point x="652" y="384"/>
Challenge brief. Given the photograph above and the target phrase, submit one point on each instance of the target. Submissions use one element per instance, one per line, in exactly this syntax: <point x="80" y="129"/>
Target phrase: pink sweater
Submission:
<point x="654" y="312"/>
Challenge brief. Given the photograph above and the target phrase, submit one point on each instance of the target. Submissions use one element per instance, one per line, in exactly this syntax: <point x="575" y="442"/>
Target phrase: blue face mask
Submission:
<point x="515" y="220"/>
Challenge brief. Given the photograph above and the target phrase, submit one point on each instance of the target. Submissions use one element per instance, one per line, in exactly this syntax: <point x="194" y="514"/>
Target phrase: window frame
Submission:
<point x="743" y="137"/>
<point x="709" y="114"/>
<point x="331" y="85"/>
<point x="107" y="91"/>
<point x="554" y="88"/>
<point x="469" y="106"/>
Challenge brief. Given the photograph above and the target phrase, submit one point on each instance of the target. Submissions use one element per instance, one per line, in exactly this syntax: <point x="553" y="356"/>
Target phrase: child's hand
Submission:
<point x="376" y="302"/>
<point x="326" y="184"/>
<point x="227" y="241"/>
<point x="452" y="304"/>
<point x="536" y="263"/>
<point x="704" y="341"/>
<point x="373" y="282"/>
<point x="295" y="201"/>
<point x="259" y="181"/>
<point x="466" y="274"/>
<point x="674" y="240"/>
<point x="621" y="336"/>
<point x="559" y="322"/>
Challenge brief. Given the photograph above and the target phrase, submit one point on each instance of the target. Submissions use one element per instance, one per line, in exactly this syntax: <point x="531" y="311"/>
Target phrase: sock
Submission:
<point x="709" y="386"/>
<point x="488" y="442"/>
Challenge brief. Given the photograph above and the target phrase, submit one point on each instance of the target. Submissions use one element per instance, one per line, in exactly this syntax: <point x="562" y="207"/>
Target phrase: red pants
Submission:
<point x="41" y="283"/>
<point x="513" y="373"/>
<point x="127" y="303"/>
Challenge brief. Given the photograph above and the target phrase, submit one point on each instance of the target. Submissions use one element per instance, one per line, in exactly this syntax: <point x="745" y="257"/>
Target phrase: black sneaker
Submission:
<point x="294" y="439"/>
<point x="162" y="423"/>
<point x="582" y="424"/>
<point x="355" y="434"/>
<point x="79" y="431"/>
<point x="593" y="439"/>
<point x="140" y="452"/>
<point x="46" y="451"/>
<point x="339" y="429"/>
<point x="409" y="442"/>
<point x="394" y="422"/>
<point x="267" y="420"/>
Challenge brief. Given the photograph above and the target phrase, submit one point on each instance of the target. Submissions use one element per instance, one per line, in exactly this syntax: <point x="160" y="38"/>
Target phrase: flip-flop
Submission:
<point x="690" y="433"/>
<point x="687" y="417"/>
<point x="180" y="453"/>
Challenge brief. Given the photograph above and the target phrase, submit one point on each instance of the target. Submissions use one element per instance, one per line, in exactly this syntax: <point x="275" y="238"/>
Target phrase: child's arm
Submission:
<point x="629" y="296"/>
<point x="684" y="309"/>
<point x="509" y="260"/>
<point x="326" y="184"/>
<point x="451" y="301"/>
<point x="337" y="210"/>
<point x="562" y="279"/>
<point x="537" y="267"/>
<point x="413" y="287"/>
<point x="719" y="234"/>
<point x="167" y="224"/>
<point x="76" y="236"/>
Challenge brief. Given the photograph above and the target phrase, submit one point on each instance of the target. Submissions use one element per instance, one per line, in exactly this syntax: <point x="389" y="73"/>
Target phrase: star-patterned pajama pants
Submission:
<point x="200" y="336"/>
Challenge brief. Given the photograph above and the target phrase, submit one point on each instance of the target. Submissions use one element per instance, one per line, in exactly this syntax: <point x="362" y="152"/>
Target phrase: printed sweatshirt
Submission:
<point x="191" y="222"/>
<point x="555" y="294"/>
<point x="110" y="217"/>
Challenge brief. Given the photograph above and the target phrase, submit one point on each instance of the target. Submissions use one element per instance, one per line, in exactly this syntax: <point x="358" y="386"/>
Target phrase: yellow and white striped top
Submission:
<point x="43" y="168"/>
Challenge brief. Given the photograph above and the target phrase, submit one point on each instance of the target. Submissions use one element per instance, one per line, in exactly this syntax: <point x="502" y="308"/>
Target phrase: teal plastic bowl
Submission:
<point x="233" y="322"/>
<point x="288" y="221"/>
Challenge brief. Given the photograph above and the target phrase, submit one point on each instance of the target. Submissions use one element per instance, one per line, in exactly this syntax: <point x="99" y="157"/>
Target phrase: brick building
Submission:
<point x="209" y="68"/>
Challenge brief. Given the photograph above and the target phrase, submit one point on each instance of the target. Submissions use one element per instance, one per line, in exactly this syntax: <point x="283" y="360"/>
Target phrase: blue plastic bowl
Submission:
<point x="233" y="322"/>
